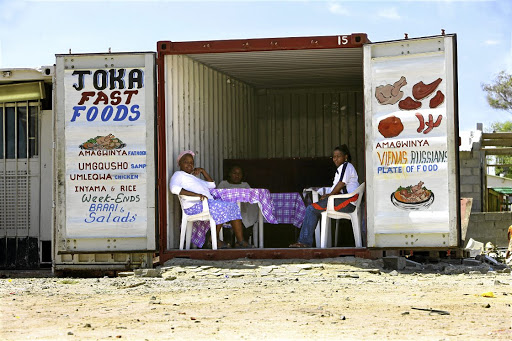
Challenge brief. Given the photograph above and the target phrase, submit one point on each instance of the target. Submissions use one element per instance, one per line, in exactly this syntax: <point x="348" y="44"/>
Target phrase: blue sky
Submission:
<point x="32" y="32"/>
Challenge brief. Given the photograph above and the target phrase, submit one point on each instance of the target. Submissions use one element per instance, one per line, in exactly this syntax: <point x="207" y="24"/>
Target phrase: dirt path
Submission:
<point x="344" y="298"/>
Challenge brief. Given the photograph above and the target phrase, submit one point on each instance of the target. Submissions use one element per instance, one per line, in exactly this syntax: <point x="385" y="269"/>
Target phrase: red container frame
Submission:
<point x="354" y="40"/>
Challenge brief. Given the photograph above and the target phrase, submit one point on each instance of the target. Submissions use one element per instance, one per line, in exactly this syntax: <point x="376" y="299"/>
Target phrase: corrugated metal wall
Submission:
<point x="222" y="118"/>
<point x="209" y="113"/>
<point x="310" y="123"/>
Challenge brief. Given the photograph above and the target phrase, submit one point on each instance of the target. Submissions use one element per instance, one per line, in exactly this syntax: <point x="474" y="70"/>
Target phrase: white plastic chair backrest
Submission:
<point x="205" y="211"/>
<point x="359" y="190"/>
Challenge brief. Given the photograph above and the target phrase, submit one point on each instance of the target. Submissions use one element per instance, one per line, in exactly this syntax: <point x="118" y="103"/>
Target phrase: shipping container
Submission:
<point x="276" y="105"/>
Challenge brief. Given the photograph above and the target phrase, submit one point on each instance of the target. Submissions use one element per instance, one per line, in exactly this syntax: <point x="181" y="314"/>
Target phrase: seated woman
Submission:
<point x="249" y="211"/>
<point x="345" y="181"/>
<point x="186" y="182"/>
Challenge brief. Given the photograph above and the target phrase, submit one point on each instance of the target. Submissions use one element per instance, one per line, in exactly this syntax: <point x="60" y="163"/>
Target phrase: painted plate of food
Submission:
<point x="416" y="197"/>
<point x="108" y="142"/>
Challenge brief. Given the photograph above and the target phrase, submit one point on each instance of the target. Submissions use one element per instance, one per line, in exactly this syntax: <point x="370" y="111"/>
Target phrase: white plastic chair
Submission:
<point x="187" y="222"/>
<point x="355" y="217"/>
<point x="316" y="192"/>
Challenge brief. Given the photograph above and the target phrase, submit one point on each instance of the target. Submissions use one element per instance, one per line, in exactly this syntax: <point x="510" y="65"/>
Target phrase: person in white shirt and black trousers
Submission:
<point x="345" y="181"/>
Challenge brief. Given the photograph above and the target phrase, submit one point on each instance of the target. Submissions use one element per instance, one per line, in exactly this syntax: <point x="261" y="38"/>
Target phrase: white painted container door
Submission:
<point x="105" y="152"/>
<point x="411" y="143"/>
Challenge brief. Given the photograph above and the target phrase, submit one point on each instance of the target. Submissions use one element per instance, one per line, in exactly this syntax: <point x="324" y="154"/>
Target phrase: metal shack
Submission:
<point x="278" y="105"/>
<point x="26" y="170"/>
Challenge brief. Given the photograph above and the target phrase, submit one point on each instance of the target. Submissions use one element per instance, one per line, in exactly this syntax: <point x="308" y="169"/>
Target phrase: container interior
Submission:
<point x="287" y="104"/>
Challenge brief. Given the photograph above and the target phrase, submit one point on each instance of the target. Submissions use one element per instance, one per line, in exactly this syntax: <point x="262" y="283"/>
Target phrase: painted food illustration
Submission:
<point x="390" y="93"/>
<point x="409" y="104"/>
<point x="421" y="90"/>
<point x="390" y="127"/>
<point x="415" y="197"/>
<point x="103" y="142"/>
<point x="437" y="100"/>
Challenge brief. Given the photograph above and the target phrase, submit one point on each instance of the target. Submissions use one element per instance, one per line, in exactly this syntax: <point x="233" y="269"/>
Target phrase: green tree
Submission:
<point x="499" y="92"/>
<point x="502" y="127"/>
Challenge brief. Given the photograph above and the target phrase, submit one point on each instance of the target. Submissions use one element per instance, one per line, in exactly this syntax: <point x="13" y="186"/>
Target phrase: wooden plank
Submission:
<point x="498" y="142"/>
<point x="497" y="136"/>
<point x="496" y="165"/>
<point x="497" y="151"/>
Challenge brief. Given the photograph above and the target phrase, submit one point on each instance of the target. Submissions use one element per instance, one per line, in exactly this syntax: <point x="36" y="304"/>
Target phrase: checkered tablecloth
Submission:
<point x="259" y="196"/>
<point x="252" y="195"/>
<point x="276" y="208"/>
<point x="289" y="208"/>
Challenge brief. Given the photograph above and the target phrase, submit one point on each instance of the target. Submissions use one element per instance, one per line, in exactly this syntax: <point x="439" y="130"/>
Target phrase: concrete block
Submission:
<point x="490" y="216"/>
<point x="394" y="263"/>
<point x="464" y="155"/>
<point x="390" y="253"/>
<point x="476" y="216"/>
<point x="466" y="171"/>
<point x="477" y="189"/>
<point x="471" y="163"/>
<point x="476" y="171"/>
<point x="470" y="179"/>
<point x="466" y="189"/>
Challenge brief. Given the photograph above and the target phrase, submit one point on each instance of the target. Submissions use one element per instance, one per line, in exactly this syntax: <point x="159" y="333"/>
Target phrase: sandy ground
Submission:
<point x="343" y="298"/>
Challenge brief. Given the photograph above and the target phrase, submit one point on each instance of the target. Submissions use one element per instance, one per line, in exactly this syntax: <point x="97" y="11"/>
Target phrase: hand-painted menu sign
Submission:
<point x="105" y="132"/>
<point x="410" y="156"/>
